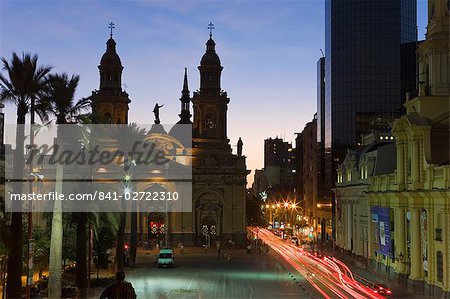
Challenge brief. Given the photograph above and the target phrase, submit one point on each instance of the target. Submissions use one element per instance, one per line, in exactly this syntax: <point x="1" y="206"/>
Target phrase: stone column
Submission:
<point x="430" y="247"/>
<point x="415" y="161"/>
<point x="400" y="239"/>
<point x="349" y="226"/>
<point x="401" y="164"/>
<point x="416" y="245"/>
<point x="369" y="233"/>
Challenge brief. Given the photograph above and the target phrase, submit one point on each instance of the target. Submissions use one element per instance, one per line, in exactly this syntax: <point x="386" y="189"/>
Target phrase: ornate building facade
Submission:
<point x="218" y="176"/>
<point x="417" y="194"/>
<point x="352" y="204"/>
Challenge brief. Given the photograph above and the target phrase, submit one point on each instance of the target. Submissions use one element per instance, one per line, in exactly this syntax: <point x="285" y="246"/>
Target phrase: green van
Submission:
<point x="165" y="258"/>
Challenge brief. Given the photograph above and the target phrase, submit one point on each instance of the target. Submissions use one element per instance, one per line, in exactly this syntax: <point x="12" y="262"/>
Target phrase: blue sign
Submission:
<point x="381" y="223"/>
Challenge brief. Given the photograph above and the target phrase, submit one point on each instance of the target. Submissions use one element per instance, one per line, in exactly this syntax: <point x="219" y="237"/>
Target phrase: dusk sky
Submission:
<point x="268" y="49"/>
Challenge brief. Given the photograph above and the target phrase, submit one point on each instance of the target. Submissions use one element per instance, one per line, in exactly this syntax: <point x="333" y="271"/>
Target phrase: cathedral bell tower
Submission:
<point x="110" y="102"/>
<point x="210" y="103"/>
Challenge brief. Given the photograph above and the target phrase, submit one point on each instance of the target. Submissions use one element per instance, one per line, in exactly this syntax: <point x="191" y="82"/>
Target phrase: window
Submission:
<point x="439" y="267"/>
<point x="438" y="234"/>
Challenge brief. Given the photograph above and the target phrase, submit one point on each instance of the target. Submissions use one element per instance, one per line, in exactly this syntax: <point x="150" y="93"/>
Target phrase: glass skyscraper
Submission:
<point x="369" y="66"/>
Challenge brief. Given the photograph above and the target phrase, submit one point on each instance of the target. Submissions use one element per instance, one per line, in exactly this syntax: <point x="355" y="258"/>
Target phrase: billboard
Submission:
<point x="382" y="232"/>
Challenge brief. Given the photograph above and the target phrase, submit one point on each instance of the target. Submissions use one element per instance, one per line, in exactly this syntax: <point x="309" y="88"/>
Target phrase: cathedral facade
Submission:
<point x="218" y="176"/>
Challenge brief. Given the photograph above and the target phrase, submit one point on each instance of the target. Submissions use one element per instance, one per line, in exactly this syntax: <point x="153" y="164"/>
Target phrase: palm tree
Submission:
<point x="103" y="224"/>
<point x="24" y="83"/>
<point x="60" y="100"/>
<point x="126" y="136"/>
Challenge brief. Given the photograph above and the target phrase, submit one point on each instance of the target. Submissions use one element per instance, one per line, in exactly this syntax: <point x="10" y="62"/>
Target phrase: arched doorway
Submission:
<point x="209" y="229"/>
<point x="208" y="217"/>
<point x="157" y="217"/>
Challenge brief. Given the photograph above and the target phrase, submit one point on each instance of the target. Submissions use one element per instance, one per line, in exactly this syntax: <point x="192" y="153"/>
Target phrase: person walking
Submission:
<point x="120" y="289"/>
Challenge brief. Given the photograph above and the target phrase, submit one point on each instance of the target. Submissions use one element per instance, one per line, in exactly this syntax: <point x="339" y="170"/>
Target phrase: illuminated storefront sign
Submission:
<point x="382" y="231"/>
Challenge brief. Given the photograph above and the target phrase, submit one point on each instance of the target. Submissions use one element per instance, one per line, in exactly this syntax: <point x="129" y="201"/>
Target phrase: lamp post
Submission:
<point x="267" y="206"/>
<point x="273" y="216"/>
<point x="286" y="206"/>
<point x="166" y="231"/>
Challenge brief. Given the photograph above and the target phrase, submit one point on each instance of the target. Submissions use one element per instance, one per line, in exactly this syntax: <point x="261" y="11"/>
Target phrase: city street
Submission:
<point x="197" y="275"/>
<point x="330" y="277"/>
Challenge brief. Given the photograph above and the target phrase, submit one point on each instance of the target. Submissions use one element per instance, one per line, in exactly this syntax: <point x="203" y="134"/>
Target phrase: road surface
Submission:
<point x="205" y="276"/>
<point x="330" y="277"/>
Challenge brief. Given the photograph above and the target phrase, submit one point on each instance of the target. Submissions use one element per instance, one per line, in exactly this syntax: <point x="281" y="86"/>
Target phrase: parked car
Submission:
<point x="166" y="258"/>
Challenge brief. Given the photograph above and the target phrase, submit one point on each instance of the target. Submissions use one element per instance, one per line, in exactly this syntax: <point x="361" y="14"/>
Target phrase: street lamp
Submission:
<point x="286" y="206"/>
<point x="166" y="235"/>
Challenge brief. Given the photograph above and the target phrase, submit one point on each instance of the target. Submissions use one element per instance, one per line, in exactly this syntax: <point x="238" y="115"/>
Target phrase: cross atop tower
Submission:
<point x="111" y="26"/>
<point x="210" y="27"/>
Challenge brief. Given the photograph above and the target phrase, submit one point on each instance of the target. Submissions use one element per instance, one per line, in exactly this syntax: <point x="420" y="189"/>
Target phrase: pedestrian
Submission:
<point x="181" y="248"/>
<point x="119" y="289"/>
<point x="249" y="248"/>
<point x="126" y="255"/>
<point x="155" y="261"/>
<point x="206" y="248"/>
<point x="218" y="252"/>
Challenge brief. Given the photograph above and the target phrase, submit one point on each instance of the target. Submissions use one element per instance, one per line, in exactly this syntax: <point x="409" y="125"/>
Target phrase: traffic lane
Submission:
<point x="327" y="289"/>
<point x="325" y="274"/>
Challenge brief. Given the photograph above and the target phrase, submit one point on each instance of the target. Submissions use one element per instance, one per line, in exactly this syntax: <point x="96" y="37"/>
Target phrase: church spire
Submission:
<point x="110" y="66"/>
<point x="185" y="90"/>
<point x="210" y="67"/>
<point x="110" y="102"/>
<point x="185" y="115"/>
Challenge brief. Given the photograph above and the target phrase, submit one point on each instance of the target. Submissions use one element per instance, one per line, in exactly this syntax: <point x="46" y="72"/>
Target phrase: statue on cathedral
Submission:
<point x="156" y="112"/>
<point x="240" y="144"/>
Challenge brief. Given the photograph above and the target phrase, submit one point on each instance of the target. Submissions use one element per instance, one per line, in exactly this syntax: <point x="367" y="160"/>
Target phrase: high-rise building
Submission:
<point x="309" y="168"/>
<point x="367" y="70"/>
<point x="279" y="162"/>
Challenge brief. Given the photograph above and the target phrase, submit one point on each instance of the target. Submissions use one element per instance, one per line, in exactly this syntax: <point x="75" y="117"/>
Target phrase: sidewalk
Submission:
<point x="400" y="285"/>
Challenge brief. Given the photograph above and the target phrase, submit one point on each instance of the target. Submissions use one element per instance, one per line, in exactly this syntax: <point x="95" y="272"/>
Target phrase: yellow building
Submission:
<point x="417" y="194"/>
